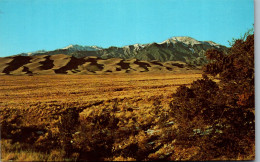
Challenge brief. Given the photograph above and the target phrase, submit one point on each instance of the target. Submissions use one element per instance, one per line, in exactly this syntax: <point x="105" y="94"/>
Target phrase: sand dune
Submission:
<point x="64" y="64"/>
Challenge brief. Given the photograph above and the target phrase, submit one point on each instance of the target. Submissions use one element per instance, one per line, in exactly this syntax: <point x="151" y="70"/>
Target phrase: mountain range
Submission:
<point x="184" y="49"/>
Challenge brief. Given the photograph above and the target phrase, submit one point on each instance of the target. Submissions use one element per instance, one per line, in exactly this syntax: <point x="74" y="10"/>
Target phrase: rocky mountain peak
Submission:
<point x="185" y="40"/>
<point x="82" y="48"/>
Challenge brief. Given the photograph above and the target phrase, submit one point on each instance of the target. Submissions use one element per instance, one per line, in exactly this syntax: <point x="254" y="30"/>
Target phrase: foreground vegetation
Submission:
<point x="202" y="120"/>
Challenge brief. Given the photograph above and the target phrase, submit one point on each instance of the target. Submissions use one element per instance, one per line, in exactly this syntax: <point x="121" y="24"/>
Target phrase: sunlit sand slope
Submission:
<point x="64" y="64"/>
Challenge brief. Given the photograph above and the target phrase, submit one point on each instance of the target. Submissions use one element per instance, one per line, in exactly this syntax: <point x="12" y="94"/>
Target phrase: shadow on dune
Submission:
<point x="142" y="64"/>
<point x="72" y="64"/>
<point x="124" y="65"/>
<point x="156" y="63"/>
<point x="47" y="63"/>
<point x="17" y="62"/>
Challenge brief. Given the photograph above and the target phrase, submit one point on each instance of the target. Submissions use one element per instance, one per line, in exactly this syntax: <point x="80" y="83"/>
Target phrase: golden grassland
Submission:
<point x="44" y="95"/>
<point x="18" y="91"/>
<point x="39" y="100"/>
<point x="33" y="107"/>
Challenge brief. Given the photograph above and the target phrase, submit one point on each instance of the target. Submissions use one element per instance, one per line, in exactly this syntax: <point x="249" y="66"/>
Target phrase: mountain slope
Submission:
<point x="185" y="49"/>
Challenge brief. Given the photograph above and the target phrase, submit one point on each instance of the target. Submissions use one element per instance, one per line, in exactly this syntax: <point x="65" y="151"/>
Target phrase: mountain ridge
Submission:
<point x="185" y="49"/>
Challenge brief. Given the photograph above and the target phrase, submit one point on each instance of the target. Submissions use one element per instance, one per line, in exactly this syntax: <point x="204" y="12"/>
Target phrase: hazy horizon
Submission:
<point x="29" y="25"/>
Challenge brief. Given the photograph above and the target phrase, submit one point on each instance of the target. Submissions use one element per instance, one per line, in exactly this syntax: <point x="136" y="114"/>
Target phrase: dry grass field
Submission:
<point x="116" y="117"/>
<point x="19" y="91"/>
<point x="35" y="103"/>
<point x="42" y="96"/>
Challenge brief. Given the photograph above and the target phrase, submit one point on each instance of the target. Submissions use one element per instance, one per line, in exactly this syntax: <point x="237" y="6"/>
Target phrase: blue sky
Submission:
<point x="30" y="25"/>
